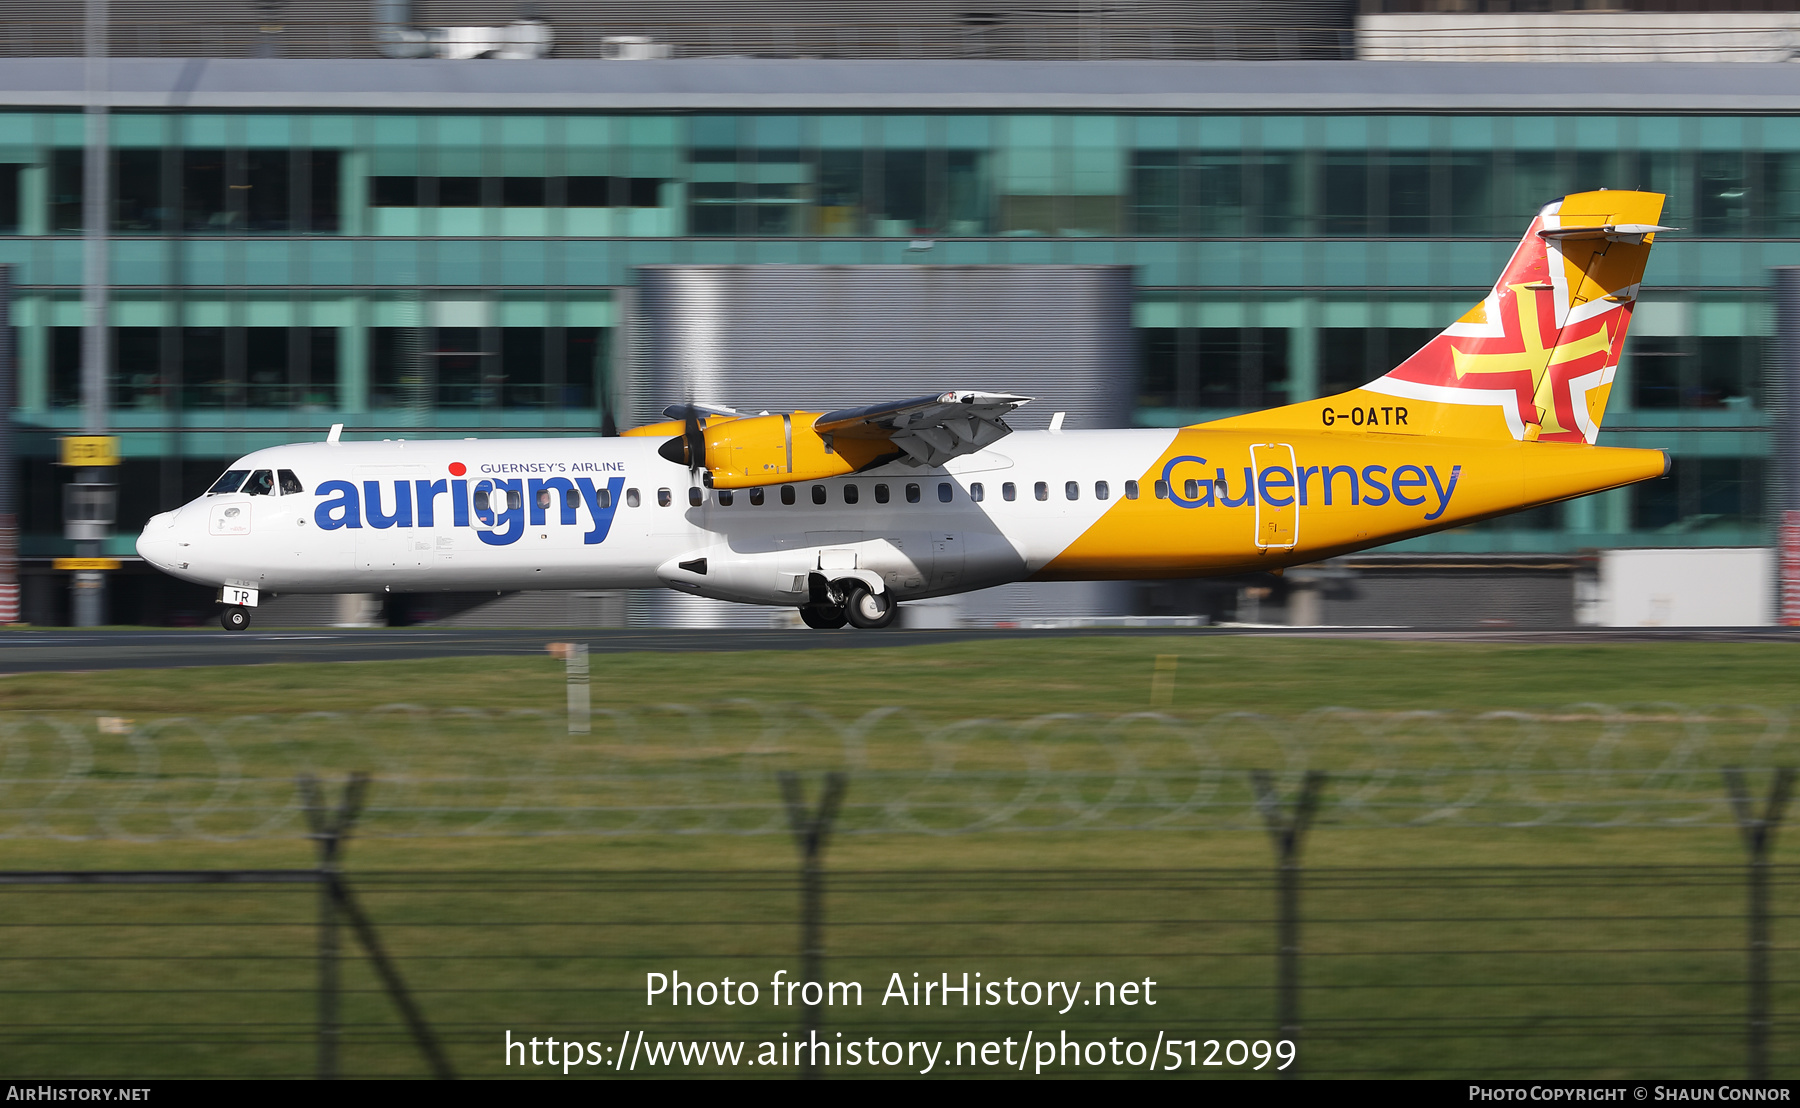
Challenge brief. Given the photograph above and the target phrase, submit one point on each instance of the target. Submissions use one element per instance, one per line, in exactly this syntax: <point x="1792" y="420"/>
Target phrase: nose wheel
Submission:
<point x="235" y="618"/>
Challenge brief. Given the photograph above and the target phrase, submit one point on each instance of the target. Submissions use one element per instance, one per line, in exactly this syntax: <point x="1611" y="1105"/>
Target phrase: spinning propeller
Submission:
<point x="689" y="447"/>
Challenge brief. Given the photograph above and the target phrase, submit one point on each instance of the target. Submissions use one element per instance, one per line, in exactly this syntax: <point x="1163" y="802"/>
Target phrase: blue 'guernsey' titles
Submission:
<point x="496" y="508"/>
<point x="1280" y="486"/>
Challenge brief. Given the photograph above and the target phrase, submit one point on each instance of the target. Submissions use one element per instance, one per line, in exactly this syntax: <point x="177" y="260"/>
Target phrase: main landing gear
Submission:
<point x="823" y="617"/>
<point x="235" y="618"/>
<point x="850" y="602"/>
<point x="869" y="611"/>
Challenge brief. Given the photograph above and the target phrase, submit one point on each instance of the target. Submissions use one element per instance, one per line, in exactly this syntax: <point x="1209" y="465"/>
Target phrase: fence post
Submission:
<point x="810" y="831"/>
<point x="580" y="704"/>
<point x="330" y="830"/>
<point x="1759" y="838"/>
<point x="575" y="674"/>
<point x="1288" y="832"/>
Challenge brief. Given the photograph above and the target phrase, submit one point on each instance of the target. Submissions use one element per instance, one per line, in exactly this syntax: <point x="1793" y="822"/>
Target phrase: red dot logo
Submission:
<point x="457" y="469"/>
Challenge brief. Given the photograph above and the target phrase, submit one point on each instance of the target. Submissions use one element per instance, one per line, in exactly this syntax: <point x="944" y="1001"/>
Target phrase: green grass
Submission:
<point x="1443" y="950"/>
<point x="1007" y="678"/>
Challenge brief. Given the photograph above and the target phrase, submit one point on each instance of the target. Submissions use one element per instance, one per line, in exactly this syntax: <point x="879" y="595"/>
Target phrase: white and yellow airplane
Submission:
<point x="844" y="514"/>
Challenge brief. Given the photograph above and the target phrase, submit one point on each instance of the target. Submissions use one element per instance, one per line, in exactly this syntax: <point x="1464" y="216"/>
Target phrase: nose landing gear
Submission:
<point x="235" y="618"/>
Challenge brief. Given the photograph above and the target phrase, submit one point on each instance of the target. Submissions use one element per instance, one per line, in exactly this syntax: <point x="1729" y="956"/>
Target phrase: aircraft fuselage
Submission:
<point x="610" y="513"/>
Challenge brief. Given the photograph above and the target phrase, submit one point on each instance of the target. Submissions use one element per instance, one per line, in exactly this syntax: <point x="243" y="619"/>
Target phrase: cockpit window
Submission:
<point x="290" y="484"/>
<point x="230" y="482"/>
<point x="261" y="483"/>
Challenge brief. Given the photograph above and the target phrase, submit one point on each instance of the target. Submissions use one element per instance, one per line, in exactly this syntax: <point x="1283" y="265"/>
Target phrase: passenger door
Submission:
<point x="1277" y="526"/>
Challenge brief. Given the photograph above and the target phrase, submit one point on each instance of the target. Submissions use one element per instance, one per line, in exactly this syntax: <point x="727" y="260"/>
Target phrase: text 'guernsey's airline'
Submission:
<point x="846" y="514"/>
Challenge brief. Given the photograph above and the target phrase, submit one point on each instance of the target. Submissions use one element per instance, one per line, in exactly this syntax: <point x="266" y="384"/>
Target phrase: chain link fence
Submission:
<point x="1270" y="966"/>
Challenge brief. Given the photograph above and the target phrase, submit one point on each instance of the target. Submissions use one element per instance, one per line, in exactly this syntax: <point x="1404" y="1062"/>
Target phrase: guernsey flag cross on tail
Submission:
<point x="1540" y="351"/>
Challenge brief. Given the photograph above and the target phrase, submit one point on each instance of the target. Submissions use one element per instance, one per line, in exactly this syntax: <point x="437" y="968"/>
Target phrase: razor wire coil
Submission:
<point x="711" y="770"/>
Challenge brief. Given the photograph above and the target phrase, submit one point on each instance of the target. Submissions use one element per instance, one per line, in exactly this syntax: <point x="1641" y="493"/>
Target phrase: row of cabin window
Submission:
<point x="852" y="494"/>
<point x="262" y="482"/>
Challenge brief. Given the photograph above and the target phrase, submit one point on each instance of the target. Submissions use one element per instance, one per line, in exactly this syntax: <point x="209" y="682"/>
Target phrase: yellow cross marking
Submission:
<point x="1535" y="359"/>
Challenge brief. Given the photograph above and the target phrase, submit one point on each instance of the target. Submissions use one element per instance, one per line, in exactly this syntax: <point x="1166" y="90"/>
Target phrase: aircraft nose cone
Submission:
<point x="159" y="543"/>
<point x="154" y="548"/>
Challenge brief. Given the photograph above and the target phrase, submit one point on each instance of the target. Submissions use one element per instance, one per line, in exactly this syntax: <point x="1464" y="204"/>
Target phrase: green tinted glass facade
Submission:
<point x="419" y="273"/>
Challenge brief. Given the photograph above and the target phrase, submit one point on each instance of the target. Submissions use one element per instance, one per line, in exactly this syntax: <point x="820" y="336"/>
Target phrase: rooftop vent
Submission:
<point x="524" y="38"/>
<point x="633" y="48"/>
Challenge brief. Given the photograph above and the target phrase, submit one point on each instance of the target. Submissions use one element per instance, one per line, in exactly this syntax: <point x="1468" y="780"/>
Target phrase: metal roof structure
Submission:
<point x="756" y="84"/>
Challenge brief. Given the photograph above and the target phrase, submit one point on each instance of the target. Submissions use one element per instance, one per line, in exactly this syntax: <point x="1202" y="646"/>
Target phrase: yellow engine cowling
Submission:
<point x="772" y="449"/>
<point x="670" y="427"/>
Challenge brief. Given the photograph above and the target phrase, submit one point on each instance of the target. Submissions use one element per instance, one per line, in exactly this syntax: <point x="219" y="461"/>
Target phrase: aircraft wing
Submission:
<point x="929" y="429"/>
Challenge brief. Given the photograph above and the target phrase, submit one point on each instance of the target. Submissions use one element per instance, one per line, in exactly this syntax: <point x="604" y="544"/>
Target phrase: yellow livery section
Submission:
<point x="1231" y="502"/>
<point x="1498" y="413"/>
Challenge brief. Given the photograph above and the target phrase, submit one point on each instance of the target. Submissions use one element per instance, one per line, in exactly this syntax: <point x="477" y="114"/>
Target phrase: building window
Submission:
<point x="218" y="367"/>
<point x="10" y="215"/>
<point x="541" y="368"/>
<point x="515" y="192"/>
<point x="1708" y="371"/>
<point x="1701" y="495"/>
<point x="1351" y="357"/>
<point x="1213" y="367"/>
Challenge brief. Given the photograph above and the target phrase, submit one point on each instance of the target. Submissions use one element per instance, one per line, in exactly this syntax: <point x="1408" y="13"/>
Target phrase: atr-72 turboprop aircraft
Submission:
<point x="843" y="514"/>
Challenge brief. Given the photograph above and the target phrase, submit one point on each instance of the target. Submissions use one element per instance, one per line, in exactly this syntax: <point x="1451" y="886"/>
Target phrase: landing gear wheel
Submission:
<point x="870" y="611"/>
<point x="822" y="617"/>
<point x="234" y="618"/>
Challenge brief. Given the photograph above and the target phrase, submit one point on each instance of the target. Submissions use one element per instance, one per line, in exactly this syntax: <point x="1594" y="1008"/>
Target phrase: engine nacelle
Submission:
<point x="773" y="449"/>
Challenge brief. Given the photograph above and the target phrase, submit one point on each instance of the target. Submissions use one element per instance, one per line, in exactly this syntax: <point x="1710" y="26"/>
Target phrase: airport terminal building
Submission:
<point x="421" y="247"/>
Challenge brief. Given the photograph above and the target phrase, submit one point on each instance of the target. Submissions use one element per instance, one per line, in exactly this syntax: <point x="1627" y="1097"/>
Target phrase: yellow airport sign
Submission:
<point x="90" y="450"/>
<point x="85" y="563"/>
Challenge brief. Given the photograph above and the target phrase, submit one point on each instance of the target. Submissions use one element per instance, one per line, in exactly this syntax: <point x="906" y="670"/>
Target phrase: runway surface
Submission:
<point x="52" y="650"/>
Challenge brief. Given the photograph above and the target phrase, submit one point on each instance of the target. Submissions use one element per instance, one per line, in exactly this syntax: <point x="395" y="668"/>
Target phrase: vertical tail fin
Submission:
<point x="1535" y="360"/>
